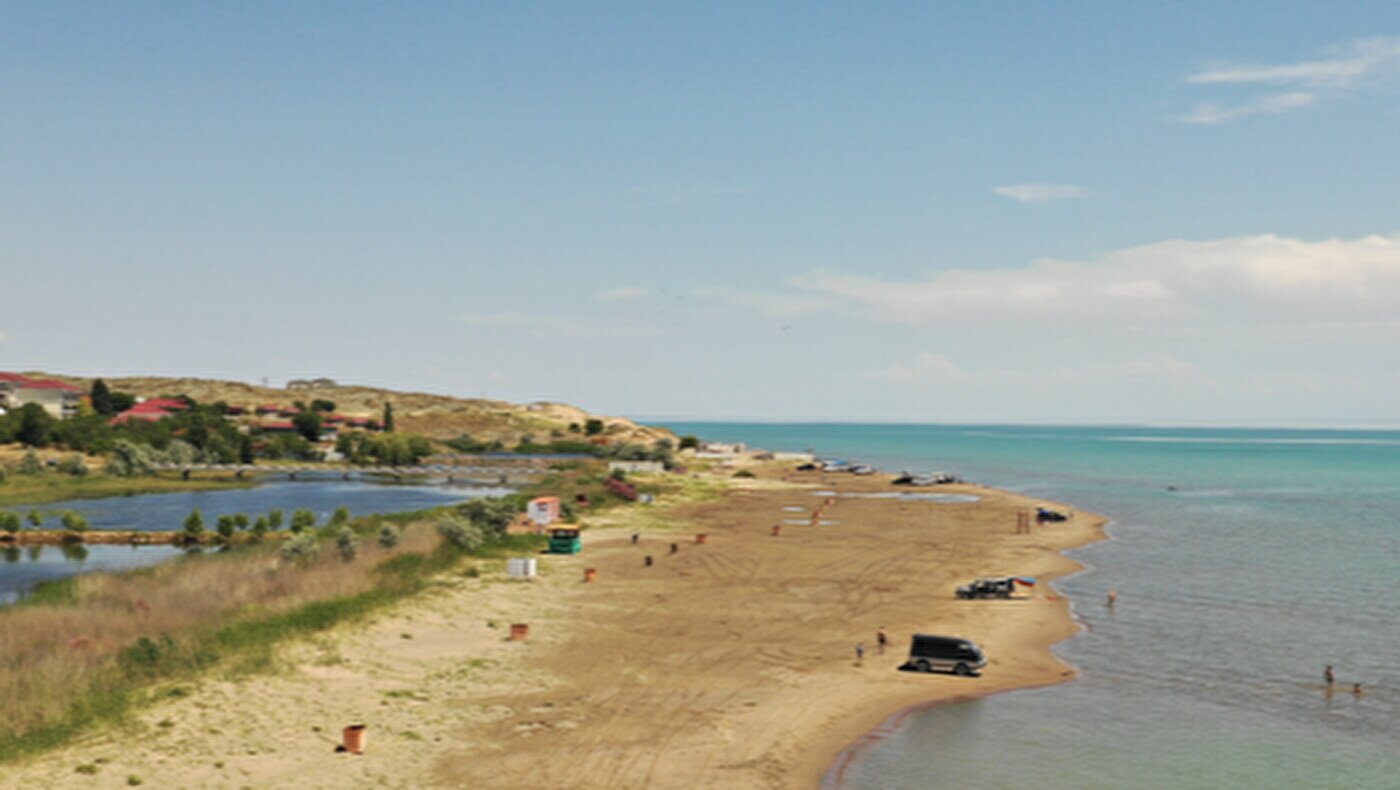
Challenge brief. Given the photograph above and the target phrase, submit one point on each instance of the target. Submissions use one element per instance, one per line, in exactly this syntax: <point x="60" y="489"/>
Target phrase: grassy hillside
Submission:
<point x="437" y="416"/>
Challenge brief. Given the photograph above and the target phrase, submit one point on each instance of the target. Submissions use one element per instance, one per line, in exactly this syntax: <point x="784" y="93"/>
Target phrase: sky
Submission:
<point x="1068" y="212"/>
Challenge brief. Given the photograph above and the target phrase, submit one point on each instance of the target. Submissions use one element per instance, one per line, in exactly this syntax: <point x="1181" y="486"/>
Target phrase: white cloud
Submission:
<point x="1347" y="65"/>
<point x="1040" y="193"/>
<point x="1174" y="286"/>
<point x="1343" y="67"/>
<point x="1211" y="113"/>
<point x="622" y="293"/>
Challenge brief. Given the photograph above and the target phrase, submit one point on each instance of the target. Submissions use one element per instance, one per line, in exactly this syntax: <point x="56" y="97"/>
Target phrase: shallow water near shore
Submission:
<point x="23" y="567"/>
<point x="1244" y="560"/>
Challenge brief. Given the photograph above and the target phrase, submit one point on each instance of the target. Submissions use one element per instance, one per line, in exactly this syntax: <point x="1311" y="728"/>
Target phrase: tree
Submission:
<point x="388" y="424"/>
<point x="194" y="525"/>
<point x="302" y="519"/>
<point x="36" y="519"/>
<point x="689" y="442"/>
<point x="321" y="404"/>
<point x="260" y="528"/>
<point x="340" y="517"/>
<point x="241" y="521"/>
<point x="274" y="518"/>
<point x="74" y="522"/>
<point x="121" y="401"/>
<point x="226" y="526"/>
<point x="389" y="536"/>
<point x="245" y="449"/>
<point x="308" y="424"/>
<point x="35" y="425"/>
<point x="10" y="522"/>
<point x="101" y="398"/>
<point x="593" y="426"/>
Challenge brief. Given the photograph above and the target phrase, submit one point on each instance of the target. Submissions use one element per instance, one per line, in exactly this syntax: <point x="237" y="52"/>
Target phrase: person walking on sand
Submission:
<point x="1329" y="676"/>
<point x="860" y="653"/>
<point x="636" y="536"/>
<point x="881" y="639"/>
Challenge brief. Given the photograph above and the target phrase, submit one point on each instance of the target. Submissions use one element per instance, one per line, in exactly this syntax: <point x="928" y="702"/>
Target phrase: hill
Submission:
<point x="440" y="417"/>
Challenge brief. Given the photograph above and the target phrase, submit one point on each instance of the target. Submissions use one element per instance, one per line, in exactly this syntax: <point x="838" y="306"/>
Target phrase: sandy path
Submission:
<point x="728" y="664"/>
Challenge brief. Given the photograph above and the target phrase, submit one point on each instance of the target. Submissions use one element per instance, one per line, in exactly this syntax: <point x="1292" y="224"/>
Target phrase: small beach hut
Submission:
<point x="565" y="541"/>
<point x="543" y="510"/>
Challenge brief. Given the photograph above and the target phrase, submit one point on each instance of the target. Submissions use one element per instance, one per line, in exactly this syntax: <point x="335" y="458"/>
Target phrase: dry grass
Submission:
<point x="74" y="653"/>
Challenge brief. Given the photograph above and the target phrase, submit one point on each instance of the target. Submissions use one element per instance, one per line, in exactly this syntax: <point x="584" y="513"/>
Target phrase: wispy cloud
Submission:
<point x="622" y="293"/>
<point x="1340" y="68"/>
<point x="1347" y="65"/>
<point x="1211" y="113"/>
<point x="1040" y="193"/>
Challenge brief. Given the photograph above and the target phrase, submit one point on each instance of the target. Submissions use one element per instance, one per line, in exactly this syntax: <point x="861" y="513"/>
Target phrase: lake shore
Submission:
<point x="24" y="491"/>
<point x="728" y="663"/>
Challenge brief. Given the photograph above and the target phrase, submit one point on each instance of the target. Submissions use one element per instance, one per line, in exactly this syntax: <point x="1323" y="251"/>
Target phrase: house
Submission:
<point x="56" y="397"/>
<point x="150" y="410"/>
<point x="278" y="426"/>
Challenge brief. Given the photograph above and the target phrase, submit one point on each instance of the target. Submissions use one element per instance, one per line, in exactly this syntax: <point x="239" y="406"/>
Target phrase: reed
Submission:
<point x="87" y="649"/>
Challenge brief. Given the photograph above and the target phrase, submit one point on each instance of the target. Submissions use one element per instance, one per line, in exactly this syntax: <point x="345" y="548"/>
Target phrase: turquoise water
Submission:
<point x="22" y="568"/>
<point x="1245" y="561"/>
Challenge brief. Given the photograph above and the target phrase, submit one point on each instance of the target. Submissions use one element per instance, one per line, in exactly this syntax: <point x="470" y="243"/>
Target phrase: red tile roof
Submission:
<point x="37" y="384"/>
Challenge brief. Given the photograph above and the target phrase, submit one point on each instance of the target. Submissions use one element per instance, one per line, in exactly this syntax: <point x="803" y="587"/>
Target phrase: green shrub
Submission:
<point x="346" y="544"/>
<point x="30" y="464"/>
<point x="10" y="522"/>
<point x="74" y="522"/>
<point x="389" y="536"/>
<point x="340" y="517"/>
<point x="274" y="519"/>
<point x="260" y="527"/>
<point x="301" y="547"/>
<point x="226" y="526"/>
<point x="194" y="525"/>
<point x="36" y="519"/>
<point x="461" y="534"/>
<point x="302" y="519"/>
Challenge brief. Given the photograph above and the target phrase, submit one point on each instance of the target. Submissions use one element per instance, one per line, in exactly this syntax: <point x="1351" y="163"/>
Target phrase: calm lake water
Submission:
<point x="21" y="568"/>
<point x="1277" y="553"/>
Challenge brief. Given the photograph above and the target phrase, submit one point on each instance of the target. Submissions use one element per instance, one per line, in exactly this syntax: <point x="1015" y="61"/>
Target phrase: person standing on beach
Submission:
<point x="860" y="653"/>
<point x="881" y="639"/>
<point x="636" y="536"/>
<point x="1329" y="676"/>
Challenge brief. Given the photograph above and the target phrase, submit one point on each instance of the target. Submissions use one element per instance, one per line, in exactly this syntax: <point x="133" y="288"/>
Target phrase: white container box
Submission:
<point x="521" y="567"/>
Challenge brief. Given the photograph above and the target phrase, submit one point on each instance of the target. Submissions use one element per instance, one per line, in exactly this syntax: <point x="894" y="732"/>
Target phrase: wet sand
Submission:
<point x="725" y="664"/>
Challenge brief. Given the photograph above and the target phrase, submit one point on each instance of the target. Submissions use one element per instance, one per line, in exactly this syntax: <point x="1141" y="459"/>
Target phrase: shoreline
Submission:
<point x="726" y="664"/>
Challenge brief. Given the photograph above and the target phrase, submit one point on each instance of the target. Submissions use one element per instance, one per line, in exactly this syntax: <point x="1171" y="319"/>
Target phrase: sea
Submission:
<point x="1245" y="561"/>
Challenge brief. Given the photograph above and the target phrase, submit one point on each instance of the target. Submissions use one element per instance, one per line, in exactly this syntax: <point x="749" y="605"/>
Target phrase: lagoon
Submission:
<point x="23" y="567"/>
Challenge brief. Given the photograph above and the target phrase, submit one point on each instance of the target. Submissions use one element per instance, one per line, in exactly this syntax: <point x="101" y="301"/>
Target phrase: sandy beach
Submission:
<point x="725" y="664"/>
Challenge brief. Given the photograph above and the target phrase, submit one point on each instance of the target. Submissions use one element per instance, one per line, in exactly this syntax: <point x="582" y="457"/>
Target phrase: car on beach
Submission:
<point x="989" y="587"/>
<point x="930" y="653"/>
<point x="862" y="469"/>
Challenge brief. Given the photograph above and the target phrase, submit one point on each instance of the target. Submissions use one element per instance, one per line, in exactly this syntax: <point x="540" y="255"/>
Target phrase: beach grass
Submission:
<point x="89" y="650"/>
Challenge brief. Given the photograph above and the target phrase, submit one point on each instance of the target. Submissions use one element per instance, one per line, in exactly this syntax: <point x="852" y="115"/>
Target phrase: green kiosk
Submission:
<point x="564" y="541"/>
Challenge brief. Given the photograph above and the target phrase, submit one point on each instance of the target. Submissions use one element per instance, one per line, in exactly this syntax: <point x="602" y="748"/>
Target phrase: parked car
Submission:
<point x="862" y="469"/>
<point x="1044" y="514"/>
<point x="990" y="587"/>
<point x="928" y="653"/>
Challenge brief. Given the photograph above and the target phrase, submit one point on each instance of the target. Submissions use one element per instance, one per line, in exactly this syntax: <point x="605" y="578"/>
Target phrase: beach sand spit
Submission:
<point x="728" y="664"/>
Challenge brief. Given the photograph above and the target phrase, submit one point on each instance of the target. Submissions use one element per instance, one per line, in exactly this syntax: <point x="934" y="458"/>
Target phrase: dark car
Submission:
<point x="991" y="587"/>
<point x="928" y="653"/>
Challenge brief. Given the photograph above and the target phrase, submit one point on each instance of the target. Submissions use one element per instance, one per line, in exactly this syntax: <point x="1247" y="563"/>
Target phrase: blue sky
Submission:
<point x="1002" y="211"/>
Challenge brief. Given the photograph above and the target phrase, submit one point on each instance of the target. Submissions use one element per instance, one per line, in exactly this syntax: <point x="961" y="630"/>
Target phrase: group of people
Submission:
<point x="1331" y="678"/>
<point x="882" y="640"/>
